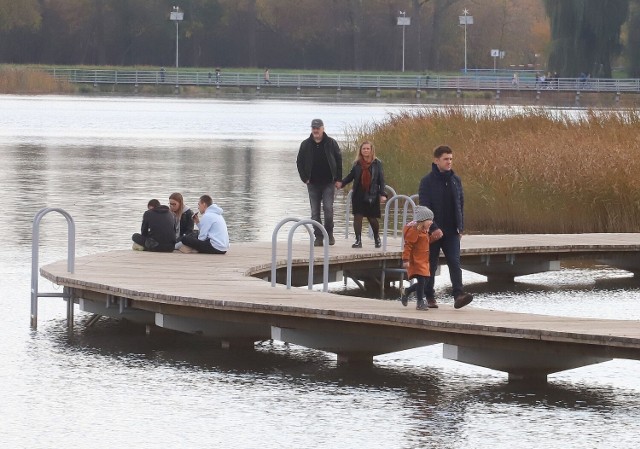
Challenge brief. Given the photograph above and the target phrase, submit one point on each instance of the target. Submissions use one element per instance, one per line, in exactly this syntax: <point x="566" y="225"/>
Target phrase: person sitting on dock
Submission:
<point x="415" y="255"/>
<point x="157" y="232"/>
<point x="183" y="216"/>
<point x="212" y="237"/>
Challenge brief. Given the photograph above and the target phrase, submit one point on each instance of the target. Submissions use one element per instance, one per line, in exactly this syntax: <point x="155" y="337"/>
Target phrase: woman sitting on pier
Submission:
<point x="183" y="216"/>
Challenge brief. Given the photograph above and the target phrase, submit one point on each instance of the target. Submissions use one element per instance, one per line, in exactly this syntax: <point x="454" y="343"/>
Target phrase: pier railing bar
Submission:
<point x="492" y="82"/>
<point x="274" y="245"/>
<point x="35" y="246"/>
<point x="325" y="270"/>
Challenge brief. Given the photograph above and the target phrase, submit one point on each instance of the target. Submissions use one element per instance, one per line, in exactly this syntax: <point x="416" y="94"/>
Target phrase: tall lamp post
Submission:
<point x="404" y="22"/>
<point x="176" y="15"/>
<point x="465" y="19"/>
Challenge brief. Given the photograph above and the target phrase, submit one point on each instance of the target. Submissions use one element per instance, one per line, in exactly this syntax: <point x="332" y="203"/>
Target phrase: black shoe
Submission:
<point x="318" y="242"/>
<point x="332" y="240"/>
<point x="378" y="242"/>
<point x="422" y="306"/>
<point x="462" y="300"/>
<point x="358" y="244"/>
<point x="404" y="299"/>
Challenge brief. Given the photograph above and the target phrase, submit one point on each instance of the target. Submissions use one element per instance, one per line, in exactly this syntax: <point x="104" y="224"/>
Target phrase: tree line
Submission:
<point x="569" y="36"/>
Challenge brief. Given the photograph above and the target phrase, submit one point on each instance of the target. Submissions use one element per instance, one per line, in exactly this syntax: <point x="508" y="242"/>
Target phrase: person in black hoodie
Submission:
<point x="441" y="191"/>
<point x="158" y="229"/>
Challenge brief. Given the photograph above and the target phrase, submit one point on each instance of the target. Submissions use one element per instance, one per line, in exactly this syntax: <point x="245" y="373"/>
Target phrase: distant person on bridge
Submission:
<point x="368" y="191"/>
<point x="212" y="237"/>
<point x="441" y="191"/>
<point x="319" y="164"/>
<point x="415" y="254"/>
<point x="267" y="77"/>
<point x="157" y="232"/>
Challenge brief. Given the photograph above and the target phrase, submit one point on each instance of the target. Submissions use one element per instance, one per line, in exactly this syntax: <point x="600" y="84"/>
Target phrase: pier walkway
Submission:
<point x="229" y="299"/>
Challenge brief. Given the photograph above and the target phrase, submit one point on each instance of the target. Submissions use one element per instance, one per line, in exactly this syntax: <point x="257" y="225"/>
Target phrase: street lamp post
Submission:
<point x="403" y="21"/>
<point x="176" y="16"/>
<point x="465" y="20"/>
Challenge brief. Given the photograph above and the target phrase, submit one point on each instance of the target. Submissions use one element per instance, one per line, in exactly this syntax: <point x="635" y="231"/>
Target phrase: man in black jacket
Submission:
<point x="158" y="231"/>
<point x="441" y="191"/>
<point x="320" y="167"/>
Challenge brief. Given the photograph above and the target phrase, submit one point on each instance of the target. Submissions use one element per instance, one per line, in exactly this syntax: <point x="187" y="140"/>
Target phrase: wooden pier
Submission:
<point x="229" y="299"/>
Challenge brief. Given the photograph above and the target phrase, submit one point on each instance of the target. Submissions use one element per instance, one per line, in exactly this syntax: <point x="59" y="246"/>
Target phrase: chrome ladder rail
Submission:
<point x="35" y="246"/>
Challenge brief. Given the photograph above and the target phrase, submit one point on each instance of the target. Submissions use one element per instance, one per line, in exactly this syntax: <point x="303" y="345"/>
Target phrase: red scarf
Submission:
<point x="365" y="179"/>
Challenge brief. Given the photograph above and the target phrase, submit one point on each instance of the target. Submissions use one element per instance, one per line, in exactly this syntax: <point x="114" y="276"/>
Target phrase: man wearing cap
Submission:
<point x="441" y="191"/>
<point x="320" y="167"/>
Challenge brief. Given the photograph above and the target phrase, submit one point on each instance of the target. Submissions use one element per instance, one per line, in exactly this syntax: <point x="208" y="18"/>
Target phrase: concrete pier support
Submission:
<point x="350" y="348"/>
<point x="522" y="366"/>
<point x="231" y="334"/>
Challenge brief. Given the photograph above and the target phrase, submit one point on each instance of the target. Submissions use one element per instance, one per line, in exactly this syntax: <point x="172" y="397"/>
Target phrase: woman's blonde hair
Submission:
<point x="373" y="151"/>
<point x="177" y="197"/>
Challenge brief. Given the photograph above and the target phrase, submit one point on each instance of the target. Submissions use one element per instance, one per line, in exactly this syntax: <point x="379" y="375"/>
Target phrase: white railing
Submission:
<point x="343" y="81"/>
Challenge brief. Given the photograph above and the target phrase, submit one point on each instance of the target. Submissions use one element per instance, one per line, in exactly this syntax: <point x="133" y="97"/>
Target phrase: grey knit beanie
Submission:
<point x="421" y="213"/>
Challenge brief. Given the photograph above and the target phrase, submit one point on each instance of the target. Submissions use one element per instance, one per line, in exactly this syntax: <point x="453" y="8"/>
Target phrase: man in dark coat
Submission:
<point x="441" y="191"/>
<point x="320" y="168"/>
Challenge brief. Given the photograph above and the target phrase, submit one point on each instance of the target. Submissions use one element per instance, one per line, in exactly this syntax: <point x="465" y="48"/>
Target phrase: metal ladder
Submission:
<point x="274" y="241"/>
<point x="35" y="246"/>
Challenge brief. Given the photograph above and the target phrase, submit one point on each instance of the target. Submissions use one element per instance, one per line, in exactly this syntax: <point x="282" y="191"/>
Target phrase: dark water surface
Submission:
<point x="112" y="386"/>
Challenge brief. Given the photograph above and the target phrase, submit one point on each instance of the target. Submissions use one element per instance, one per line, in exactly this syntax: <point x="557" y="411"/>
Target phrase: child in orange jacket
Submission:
<point x="415" y="256"/>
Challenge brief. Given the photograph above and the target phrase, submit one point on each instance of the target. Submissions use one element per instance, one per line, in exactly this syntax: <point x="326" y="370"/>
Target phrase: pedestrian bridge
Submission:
<point x="344" y="81"/>
<point x="229" y="299"/>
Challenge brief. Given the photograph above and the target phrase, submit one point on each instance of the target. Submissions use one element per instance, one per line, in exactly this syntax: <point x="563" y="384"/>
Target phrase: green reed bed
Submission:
<point x="524" y="171"/>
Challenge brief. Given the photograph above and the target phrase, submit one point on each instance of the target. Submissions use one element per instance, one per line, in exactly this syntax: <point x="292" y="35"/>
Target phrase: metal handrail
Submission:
<point x="390" y="201"/>
<point x="35" y="245"/>
<point x="307" y="223"/>
<point x="274" y="244"/>
<point x="487" y="81"/>
<point x="325" y="267"/>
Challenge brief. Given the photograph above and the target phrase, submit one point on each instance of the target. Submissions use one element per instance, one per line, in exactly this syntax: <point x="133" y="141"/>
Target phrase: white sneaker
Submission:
<point x="137" y="247"/>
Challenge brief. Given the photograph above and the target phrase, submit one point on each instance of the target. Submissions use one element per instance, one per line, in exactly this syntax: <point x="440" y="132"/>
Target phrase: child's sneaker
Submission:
<point x="404" y="299"/>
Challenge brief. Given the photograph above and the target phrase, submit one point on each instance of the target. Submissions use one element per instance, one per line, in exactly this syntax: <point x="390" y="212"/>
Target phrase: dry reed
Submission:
<point x="14" y="80"/>
<point x="524" y="171"/>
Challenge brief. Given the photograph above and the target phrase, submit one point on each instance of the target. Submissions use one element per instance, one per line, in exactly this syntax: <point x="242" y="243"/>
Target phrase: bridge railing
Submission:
<point x="343" y="81"/>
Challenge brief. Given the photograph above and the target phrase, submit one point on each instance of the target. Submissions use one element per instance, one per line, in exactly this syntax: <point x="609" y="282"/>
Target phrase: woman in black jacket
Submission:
<point x="183" y="215"/>
<point x="368" y="191"/>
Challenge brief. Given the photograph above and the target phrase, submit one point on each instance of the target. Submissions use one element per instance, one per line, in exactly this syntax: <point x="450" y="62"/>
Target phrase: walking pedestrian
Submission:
<point x="441" y="191"/>
<point x="368" y="191"/>
<point x="319" y="164"/>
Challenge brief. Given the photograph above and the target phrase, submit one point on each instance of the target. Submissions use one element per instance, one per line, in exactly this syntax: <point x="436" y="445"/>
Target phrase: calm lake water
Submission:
<point x="108" y="386"/>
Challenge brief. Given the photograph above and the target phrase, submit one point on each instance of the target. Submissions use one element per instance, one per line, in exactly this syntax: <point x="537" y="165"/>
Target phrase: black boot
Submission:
<point x="358" y="243"/>
<point x="376" y="238"/>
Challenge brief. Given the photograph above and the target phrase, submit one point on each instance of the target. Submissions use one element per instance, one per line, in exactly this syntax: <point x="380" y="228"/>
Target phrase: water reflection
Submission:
<point x="103" y="159"/>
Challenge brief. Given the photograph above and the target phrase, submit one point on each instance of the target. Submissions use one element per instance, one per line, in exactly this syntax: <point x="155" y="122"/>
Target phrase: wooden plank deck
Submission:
<point x="221" y="283"/>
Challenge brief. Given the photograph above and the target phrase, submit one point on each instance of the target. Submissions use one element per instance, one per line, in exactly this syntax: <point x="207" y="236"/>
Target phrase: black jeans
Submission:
<point x="202" y="246"/>
<point x="450" y="245"/>
<point x="418" y="287"/>
<point x="151" y="244"/>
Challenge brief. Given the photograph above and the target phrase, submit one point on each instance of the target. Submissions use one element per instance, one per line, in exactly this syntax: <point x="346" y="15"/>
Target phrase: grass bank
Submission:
<point x="534" y="171"/>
